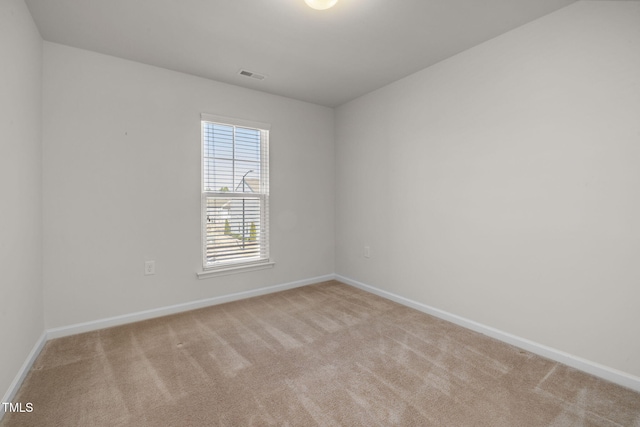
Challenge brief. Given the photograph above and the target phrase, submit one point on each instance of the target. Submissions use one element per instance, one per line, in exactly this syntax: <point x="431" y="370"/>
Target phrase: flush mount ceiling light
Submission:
<point x="320" y="4"/>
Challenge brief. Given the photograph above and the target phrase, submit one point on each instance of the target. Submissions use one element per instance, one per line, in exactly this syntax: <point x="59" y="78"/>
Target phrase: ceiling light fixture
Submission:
<point x="320" y="4"/>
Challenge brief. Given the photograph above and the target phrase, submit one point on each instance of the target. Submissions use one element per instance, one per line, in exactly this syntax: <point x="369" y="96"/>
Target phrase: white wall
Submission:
<point x="503" y="184"/>
<point x="122" y="185"/>
<point x="21" y="317"/>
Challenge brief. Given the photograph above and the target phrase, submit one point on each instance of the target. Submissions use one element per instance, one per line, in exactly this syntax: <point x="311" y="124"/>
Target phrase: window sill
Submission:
<point x="233" y="270"/>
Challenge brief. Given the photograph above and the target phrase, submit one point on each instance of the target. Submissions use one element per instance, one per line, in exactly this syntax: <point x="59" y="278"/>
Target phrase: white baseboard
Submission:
<point x="615" y="376"/>
<point x="178" y="308"/>
<point x="24" y="370"/>
<point x="622" y="378"/>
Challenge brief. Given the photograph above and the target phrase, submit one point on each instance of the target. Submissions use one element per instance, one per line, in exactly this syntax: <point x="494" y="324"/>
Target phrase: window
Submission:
<point x="235" y="194"/>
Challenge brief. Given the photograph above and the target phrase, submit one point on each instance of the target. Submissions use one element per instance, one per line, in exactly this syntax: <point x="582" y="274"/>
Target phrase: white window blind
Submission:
<point x="235" y="192"/>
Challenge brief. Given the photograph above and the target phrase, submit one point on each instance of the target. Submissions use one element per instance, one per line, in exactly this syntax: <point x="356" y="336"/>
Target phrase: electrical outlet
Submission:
<point x="149" y="268"/>
<point x="367" y="252"/>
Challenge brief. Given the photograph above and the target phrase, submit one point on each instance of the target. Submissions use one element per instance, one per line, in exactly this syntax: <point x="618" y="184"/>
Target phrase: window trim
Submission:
<point x="224" y="271"/>
<point x="238" y="266"/>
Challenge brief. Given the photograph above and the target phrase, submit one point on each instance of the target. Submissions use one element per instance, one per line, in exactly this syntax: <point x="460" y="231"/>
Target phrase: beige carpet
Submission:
<point x="326" y="354"/>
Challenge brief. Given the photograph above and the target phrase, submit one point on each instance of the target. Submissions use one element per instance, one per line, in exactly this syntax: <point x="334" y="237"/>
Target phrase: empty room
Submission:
<point x="320" y="212"/>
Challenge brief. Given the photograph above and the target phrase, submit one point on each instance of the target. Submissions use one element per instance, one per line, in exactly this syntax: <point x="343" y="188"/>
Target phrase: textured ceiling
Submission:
<point x="325" y="57"/>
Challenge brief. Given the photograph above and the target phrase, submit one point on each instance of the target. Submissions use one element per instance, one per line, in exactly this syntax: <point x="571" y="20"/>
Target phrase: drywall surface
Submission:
<point x="502" y="185"/>
<point x="122" y="185"/>
<point x="21" y="311"/>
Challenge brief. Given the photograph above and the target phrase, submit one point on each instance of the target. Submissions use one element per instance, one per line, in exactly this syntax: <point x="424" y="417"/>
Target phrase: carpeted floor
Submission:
<point x="326" y="354"/>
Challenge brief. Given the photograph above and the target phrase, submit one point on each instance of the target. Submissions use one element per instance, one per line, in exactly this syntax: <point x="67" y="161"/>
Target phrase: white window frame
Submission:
<point x="236" y="265"/>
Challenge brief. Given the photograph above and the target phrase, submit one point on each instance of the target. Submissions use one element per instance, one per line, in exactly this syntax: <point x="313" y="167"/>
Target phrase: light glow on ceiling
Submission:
<point x="320" y="4"/>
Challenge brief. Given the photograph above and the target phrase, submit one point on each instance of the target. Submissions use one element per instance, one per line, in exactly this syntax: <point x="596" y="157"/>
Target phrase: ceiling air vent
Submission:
<point x="251" y="74"/>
